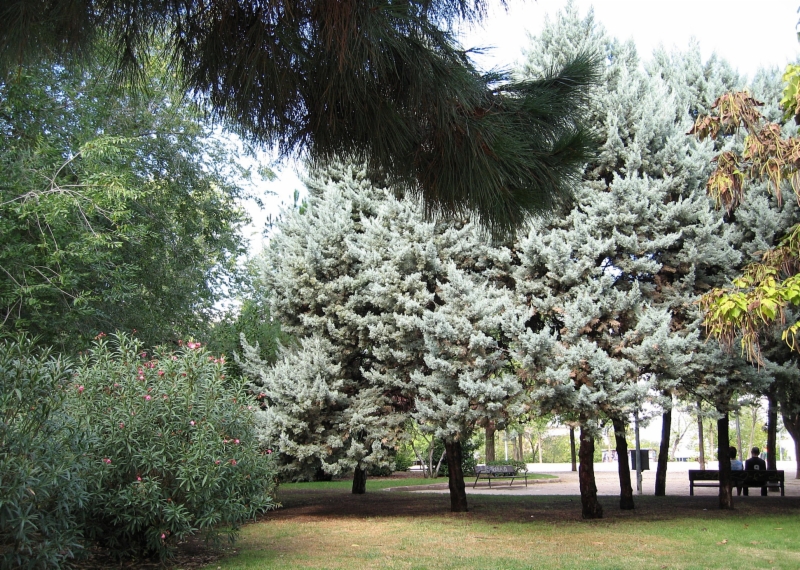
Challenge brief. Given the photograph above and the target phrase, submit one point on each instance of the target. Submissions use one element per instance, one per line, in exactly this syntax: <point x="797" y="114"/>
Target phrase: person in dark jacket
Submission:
<point x="755" y="463"/>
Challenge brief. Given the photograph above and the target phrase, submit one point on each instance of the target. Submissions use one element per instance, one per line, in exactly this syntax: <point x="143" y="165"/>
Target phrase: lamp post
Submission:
<point x="638" y="453"/>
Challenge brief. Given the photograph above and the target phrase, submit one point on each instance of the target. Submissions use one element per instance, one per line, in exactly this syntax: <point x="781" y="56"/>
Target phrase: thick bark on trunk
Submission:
<point x="591" y="508"/>
<point x="663" y="454"/>
<point x="792" y="425"/>
<point x="772" y="432"/>
<point x="458" y="494"/>
<point x="625" y="489"/>
<point x="723" y="446"/>
<point x="359" y="481"/>
<point x="700" y="442"/>
<point x="490" y="448"/>
<point x="572" y="449"/>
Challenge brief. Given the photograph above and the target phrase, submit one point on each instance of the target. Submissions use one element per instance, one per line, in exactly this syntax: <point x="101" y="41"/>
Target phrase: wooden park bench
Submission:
<point x="498" y="471"/>
<point x="757" y="478"/>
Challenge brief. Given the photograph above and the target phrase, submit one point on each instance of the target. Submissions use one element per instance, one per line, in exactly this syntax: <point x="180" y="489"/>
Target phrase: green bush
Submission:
<point x="404" y="458"/>
<point x="520" y="466"/>
<point x="42" y="488"/>
<point x="174" y="450"/>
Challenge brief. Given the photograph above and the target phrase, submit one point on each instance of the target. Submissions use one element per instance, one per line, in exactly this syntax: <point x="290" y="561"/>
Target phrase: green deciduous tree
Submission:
<point x="116" y="212"/>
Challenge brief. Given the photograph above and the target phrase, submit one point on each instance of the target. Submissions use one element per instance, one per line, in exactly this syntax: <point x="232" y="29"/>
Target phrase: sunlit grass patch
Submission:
<point x="336" y="530"/>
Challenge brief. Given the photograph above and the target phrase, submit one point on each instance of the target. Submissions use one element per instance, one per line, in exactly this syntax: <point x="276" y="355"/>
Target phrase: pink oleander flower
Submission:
<point x="81" y="389"/>
<point x="160" y="372"/>
<point x="174" y="357"/>
<point x="147" y="398"/>
<point x="107" y="461"/>
<point x="138" y="478"/>
<point x="236" y="441"/>
<point x="121" y="425"/>
<point x="233" y="462"/>
<point x="191" y="423"/>
<point x="269" y="451"/>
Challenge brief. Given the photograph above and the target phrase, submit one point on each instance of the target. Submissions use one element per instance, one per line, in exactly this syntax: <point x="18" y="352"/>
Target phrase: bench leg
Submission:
<point x="476" y="481"/>
<point x="512" y="482"/>
<point x="691" y="489"/>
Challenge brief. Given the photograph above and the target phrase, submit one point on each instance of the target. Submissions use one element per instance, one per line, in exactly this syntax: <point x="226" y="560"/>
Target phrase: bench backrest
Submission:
<point x="757" y="475"/>
<point x="495" y="469"/>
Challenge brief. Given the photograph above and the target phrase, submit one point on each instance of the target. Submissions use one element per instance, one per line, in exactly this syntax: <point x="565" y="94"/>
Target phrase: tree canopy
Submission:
<point x="116" y="212"/>
<point x="375" y="81"/>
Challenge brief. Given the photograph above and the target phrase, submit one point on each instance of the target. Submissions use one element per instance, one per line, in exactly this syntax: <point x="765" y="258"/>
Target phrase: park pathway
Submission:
<point x="607" y="481"/>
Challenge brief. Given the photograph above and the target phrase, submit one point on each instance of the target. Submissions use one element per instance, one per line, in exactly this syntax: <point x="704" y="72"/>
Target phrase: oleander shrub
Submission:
<point x="42" y="488"/>
<point x="174" y="450"/>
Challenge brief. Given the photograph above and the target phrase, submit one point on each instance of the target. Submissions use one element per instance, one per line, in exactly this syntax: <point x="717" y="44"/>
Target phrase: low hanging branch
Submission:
<point x="759" y="297"/>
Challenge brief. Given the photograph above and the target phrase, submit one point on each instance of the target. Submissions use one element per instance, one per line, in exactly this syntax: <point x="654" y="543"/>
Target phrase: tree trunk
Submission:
<point x="592" y="509"/>
<point x="663" y="453"/>
<point x="458" y="493"/>
<point x="521" y="443"/>
<point x="772" y="432"/>
<point x="359" y="481"/>
<point x="625" y="489"/>
<point x="754" y="418"/>
<point x="572" y="449"/>
<point x="711" y="438"/>
<point x="723" y="445"/>
<point x="700" y="442"/>
<point x="490" y="449"/>
<point x="792" y="425"/>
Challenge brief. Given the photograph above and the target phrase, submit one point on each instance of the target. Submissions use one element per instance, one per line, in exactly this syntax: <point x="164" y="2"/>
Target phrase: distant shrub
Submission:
<point x="520" y="466"/>
<point x="404" y="459"/>
<point x="42" y="489"/>
<point x="174" y="449"/>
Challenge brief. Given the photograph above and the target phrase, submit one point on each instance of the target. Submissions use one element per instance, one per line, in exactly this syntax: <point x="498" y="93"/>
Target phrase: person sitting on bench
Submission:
<point x="755" y="463"/>
<point x="736" y="465"/>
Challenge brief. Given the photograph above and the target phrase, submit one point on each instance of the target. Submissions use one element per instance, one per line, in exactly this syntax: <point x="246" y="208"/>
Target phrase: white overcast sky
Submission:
<point x="749" y="34"/>
<point x="746" y="33"/>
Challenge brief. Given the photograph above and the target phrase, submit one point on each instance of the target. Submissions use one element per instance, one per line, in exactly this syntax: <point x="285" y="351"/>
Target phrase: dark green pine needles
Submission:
<point x="377" y="81"/>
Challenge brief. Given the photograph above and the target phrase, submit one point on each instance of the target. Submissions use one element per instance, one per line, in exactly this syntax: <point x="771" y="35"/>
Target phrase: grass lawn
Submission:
<point x="385" y="483"/>
<point x="324" y="526"/>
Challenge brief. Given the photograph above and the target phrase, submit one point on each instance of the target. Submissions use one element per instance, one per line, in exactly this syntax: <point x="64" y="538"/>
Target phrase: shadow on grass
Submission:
<point x="313" y="504"/>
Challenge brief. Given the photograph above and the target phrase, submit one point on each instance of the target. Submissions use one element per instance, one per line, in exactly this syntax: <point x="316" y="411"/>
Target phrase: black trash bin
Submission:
<point x="645" y="456"/>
